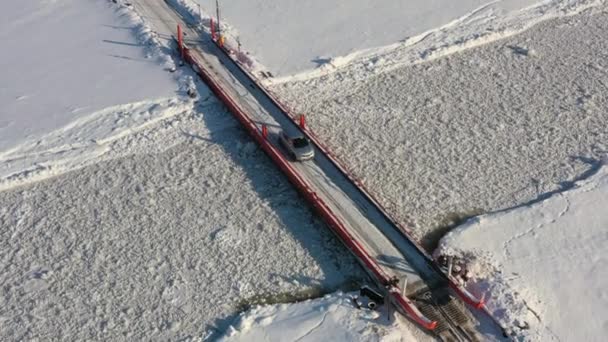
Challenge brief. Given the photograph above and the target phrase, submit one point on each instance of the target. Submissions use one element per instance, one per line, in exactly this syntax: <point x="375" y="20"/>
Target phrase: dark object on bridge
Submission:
<point x="191" y="92"/>
<point x="372" y="294"/>
<point x="266" y="74"/>
<point x="392" y="282"/>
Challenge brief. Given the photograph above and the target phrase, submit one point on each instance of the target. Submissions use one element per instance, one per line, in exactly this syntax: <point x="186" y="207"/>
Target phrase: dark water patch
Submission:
<point x="449" y="221"/>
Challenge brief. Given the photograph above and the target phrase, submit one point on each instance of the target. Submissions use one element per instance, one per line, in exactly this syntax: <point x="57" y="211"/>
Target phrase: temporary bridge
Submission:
<point x="384" y="248"/>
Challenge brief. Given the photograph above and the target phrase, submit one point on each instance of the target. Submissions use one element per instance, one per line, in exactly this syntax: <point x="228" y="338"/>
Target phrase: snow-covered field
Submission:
<point x="130" y="211"/>
<point x="69" y="59"/>
<point x="291" y="37"/>
<point x="74" y="72"/>
<point x="544" y="264"/>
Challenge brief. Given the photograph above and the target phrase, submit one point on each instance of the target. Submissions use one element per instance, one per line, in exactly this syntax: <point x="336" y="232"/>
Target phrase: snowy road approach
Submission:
<point x="380" y="239"/>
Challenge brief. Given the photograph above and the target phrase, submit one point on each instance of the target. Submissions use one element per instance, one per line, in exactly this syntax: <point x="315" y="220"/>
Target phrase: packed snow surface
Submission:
<point x="65" y="60"/>
<point x="544" y="265"/>
<point x="292" y="36"/>
<point x="80" y="75"/>
<point x="104" y="134"/>
<point x="332" y="318"/>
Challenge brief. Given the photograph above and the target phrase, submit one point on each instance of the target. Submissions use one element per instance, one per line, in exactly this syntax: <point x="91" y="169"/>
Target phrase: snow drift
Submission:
<point x="543" y="265"/>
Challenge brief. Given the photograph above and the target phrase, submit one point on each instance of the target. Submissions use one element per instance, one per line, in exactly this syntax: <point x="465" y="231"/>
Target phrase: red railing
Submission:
<point x="328" y="152"/>
<point x="318" y="204"/>
<point x="341" y="166"/>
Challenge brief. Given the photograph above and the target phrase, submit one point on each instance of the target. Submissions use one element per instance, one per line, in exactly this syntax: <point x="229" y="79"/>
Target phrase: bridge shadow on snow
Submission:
<point x="121" y="43"/>
<point x="273" y="187"/>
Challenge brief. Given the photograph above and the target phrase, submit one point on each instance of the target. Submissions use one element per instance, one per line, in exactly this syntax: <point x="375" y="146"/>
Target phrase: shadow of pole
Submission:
<point x="273" y="187"/>
<point x="121" y="43"/>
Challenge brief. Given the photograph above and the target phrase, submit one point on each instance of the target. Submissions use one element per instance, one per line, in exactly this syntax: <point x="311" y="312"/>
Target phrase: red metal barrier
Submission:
<point x="412" y="310"/>
<point x="318" y="204"/>
<point x="180" y="41"/>
<point x="465" y="295"/>
<point x="331" y="156"/>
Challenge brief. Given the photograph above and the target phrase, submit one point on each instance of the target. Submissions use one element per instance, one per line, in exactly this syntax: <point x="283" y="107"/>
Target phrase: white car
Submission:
<point x="297" y="145"/>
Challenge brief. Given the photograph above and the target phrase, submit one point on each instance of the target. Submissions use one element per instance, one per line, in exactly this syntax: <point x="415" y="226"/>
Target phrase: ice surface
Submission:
<point x="488" y="128"/>
<point x="167" y="244"/>
<point x="545" y="264"/>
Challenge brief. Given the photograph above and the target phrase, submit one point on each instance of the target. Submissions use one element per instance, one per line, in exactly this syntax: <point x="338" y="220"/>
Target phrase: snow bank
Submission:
<point x="66" y="60"/>
<point x="52" y="130"/>
<point x="108" y="133"/>
<point x="291" y="38"/>
<point x="545" y="265"/>
<point x="332" y="318"/>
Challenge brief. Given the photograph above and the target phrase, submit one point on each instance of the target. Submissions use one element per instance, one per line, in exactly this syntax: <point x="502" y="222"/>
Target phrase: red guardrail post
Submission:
<point x="264" y="131"/>
<point x="302" y="121"/>
<point x="180" y="41"/>
<point x="212" y="23"/>
<point x="466" y="296"/>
